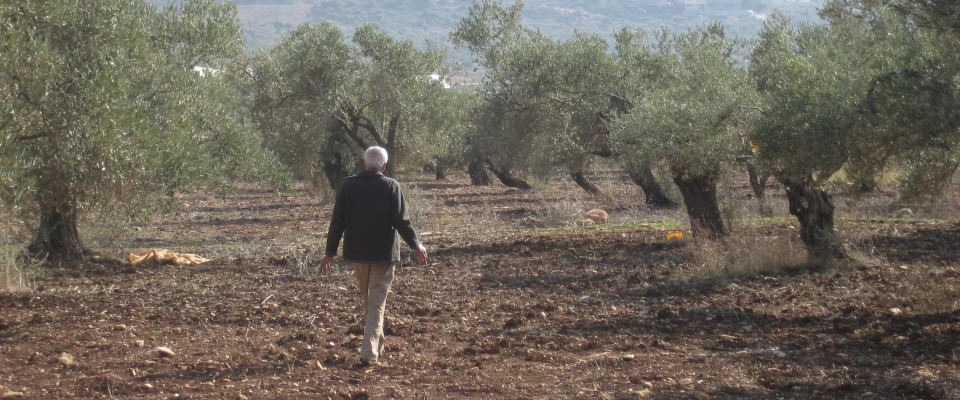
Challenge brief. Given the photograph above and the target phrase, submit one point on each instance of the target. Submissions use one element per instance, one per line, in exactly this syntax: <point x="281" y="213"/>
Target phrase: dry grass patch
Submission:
<point x="16" y="272"/>
<point x="746" y="254"/>
<point x="559" y="212"/>
<point x="926" y="290"/>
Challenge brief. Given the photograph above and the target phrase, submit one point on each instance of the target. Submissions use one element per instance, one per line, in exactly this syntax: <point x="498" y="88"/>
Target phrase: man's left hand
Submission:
<point x="422" y="255"/>
<point x="325" y="264"/>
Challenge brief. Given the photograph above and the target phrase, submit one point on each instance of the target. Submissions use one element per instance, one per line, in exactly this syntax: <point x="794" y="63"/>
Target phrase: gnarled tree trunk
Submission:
<point x="814" y="210"/>
<point x="335" y="171"/>
<point x="441" y="172"/>
<point x="700" y="198"/>
<point x="758" y="183"/>
<point x="57" y="236"/>
<point x="507" y="178"/>
<point x="478" y="174"/>
<point x="651" y="188"/>
<point x="585" y="183"/>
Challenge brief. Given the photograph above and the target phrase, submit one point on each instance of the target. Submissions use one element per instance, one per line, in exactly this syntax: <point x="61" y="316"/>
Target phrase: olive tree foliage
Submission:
<point x="584" y="101"/>
<point x="452" y="123"/>
<point x="295" y="88"/>
<point x="205" y="36"/>
<point x="640" y="69"/>
<point x="101" y="105"/>
<point x="941" y="16"/>
<point x="909" y="108"/>
<point x="321" y="100"/>
<point x="854" y="92"/>
<point x="931" y="161"/>
<point x="546" y="102"/>
<point x="692" y="102"/>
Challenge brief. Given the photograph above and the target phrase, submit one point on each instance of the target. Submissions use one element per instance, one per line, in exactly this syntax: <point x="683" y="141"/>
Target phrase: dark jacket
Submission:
<point x="369" y="212"/>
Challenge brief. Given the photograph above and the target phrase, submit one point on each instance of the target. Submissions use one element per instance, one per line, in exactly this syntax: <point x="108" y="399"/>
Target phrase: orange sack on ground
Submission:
<point x="164" y="256"/>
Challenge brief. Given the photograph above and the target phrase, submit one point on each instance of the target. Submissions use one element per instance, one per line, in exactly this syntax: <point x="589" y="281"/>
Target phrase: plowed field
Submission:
<point x="515" y="305"/>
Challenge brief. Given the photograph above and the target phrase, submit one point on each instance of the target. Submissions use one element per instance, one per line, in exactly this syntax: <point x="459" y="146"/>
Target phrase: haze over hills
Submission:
<point x="265" y="21"/>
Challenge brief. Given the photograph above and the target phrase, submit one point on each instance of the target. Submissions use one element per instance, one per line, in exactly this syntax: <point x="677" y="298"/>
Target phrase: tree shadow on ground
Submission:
<point x="925" y="244"/>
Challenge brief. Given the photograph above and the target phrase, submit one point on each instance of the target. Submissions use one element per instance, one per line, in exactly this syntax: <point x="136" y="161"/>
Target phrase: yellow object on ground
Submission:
<point x="164" y="256"/>
<point x="675" y="235"/>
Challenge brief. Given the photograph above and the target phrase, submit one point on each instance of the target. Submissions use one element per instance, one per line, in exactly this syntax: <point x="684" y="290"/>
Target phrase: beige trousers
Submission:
<point x="374" y="281"/>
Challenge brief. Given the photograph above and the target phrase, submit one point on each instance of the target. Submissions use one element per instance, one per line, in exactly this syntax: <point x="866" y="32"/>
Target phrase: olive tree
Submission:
<point x="321" y="100"/>
<point x="811" y="81"/>
<point x="640" y="68"/>
<point x="548" y="103"/>
<point x="489" y="31"/>
<point x="854" y="92"/>
<point x="101" y="104"/>
<point x="696" y="103"/>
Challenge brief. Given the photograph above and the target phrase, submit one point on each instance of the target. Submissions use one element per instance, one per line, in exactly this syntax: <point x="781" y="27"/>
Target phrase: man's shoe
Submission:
<point x="355" y="330"/>
<point x="365" y="365"/>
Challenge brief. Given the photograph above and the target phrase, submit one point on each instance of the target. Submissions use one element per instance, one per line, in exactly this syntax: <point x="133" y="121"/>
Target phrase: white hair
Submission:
<point x="374" y="158"/>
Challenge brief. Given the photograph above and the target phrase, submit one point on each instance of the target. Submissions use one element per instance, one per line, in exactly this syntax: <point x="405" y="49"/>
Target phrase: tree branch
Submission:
<point x="365" y="123"/>
<point x="5" y="123"/>
<point x="269" y="110"/>
<point x="350" y="129"/>
<point x="35" y="136"/>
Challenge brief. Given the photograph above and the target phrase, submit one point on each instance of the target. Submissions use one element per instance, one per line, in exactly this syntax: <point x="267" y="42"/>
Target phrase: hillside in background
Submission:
<point x="265" y="21"/>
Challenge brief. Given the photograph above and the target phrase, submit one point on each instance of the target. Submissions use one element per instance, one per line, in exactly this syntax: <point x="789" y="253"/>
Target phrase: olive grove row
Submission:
<point x="116" y="102"/>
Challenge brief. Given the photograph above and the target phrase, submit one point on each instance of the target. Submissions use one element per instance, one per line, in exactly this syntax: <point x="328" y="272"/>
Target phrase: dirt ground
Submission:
<point x="514" y="306"/>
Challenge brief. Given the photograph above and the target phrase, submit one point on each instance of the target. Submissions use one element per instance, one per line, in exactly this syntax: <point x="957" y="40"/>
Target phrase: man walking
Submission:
<point x="370" y="211"/>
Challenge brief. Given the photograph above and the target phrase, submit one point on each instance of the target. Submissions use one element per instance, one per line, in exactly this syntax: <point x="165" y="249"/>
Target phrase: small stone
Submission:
<point x="895" y="311"/>
<point x="643" y="393"/>
<point x="629" y="357"/>
<point x="779" y="353"/>
<point x="648" y="384"/>
<point x="926" y="374"/>
<point x="119" y="327"/>
<point x="904" y="267"/>
<point x="727" y="337"/>
<point x="319" y="365"/>
<point x="160" y="351"/>
<point x="66" y="359"/>
<point x="686" y="381"/>
<point x="9" y="394"/>
<point x="140" y="343"/>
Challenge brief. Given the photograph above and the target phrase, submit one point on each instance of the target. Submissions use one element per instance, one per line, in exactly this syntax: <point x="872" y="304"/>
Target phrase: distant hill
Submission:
<point x="264" y="21"/>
